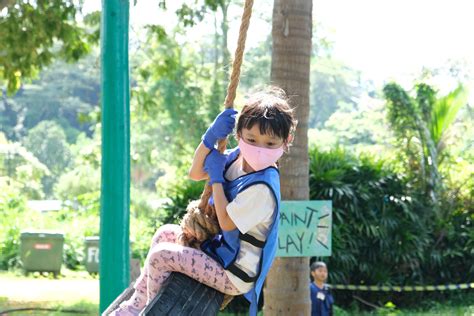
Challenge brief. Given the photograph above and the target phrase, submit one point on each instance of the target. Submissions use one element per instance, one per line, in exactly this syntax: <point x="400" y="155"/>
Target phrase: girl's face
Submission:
<point x="253" y="137"/>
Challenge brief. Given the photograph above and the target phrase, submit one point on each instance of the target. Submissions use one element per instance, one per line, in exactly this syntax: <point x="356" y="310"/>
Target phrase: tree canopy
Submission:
<point x="34" y="33"/>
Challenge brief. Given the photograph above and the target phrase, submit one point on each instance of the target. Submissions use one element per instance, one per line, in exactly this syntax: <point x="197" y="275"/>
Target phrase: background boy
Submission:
<point x="321" y="299"/>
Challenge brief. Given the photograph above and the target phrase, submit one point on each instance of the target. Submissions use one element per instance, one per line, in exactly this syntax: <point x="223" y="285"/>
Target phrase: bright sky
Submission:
<point x="385" y="39"/>
<point x="395" y="38"/>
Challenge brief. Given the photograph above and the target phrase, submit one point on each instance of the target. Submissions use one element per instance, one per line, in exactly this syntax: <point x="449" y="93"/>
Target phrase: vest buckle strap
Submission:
<point x="252" y="240"/>
<point x="241" y="274"/>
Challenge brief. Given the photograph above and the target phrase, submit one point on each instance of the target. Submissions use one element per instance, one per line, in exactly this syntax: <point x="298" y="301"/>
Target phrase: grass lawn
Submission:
<point x="76" y="291"/>
<point x="56" y="308"/>
<point x="459" y="305"/>
<point x="90" y="309"/>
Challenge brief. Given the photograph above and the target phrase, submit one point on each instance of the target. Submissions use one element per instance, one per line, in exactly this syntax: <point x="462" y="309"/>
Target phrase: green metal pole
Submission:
<point x="115" y="197"/>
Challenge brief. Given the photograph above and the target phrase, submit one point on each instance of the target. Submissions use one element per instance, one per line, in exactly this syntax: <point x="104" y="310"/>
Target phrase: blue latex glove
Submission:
<point x="214" y="165"/>
<point x="220" y="128"/>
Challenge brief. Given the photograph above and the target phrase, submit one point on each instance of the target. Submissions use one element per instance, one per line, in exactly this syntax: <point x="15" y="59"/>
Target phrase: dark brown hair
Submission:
<point x="270" y="109"/>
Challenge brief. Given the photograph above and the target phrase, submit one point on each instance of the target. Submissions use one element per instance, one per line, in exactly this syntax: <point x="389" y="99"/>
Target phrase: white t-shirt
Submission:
<point x="252" y="212"/>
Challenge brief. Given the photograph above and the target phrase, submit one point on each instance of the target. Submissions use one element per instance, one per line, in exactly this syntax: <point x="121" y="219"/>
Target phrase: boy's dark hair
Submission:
<point x="317" y="264"/>
<point x="270" y="109"/>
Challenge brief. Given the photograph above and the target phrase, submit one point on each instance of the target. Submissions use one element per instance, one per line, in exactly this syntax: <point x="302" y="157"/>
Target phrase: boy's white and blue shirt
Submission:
<point x="225" y="247"/>
<point x="321" y="300"/>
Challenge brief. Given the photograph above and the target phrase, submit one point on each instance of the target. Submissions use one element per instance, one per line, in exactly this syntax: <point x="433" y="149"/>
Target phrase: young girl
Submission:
<point x="246" y="194"/>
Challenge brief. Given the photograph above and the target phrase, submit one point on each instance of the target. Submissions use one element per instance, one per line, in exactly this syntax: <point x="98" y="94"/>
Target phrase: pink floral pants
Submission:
<point x="164" y="257"/>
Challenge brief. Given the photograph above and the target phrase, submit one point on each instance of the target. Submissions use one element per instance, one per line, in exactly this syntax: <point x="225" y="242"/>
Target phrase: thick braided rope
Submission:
<point x="232" y="88"/>
<point x="200" y="221"/>
<point x="197" y="226"/>
<point x="208" y="210"/>
<point x="239" y="53"/>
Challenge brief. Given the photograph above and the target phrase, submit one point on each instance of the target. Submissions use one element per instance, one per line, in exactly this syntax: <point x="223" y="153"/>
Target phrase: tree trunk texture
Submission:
<point x="287" y="286"/>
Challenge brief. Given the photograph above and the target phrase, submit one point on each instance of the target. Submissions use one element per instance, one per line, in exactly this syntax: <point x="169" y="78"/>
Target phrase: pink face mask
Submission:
<point x="259" y="158"/>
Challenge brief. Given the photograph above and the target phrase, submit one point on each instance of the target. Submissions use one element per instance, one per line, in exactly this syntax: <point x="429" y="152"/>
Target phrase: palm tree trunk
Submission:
<point x="287" y="287"/>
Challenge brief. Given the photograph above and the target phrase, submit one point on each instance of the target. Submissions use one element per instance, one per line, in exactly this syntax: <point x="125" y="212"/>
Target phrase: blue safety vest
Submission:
<point x="225" y="246"/>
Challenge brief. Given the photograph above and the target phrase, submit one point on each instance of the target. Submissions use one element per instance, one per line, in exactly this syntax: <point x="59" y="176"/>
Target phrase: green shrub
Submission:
<point x="77" y="227"/>
<point x="379" y="227"/>
<point x="180" y="195"/>
<point x="141" y="233"/>
<point x="451" y="254"/>
<point x="12" y="208"/>
<point x="384" y="233"/>
<point x="78" y="219"/>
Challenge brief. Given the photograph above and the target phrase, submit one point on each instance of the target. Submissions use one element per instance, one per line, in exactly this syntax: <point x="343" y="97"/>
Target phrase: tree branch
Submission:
<point x="365" y="302"/>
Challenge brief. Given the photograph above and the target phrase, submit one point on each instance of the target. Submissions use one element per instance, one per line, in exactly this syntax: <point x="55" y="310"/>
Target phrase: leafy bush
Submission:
<point x="141" y="233"/>
<point x="383" y="230"/>
<point x="76" y="225"/>
<point x="47" y="142"/>
<point x="146" y="220"/>
<point x="12" y="207"/>
<point x="78" y="181"/>
<point x="180" y="195"/>
<point x="379" y="228"/>
<point x="451" y="254"/>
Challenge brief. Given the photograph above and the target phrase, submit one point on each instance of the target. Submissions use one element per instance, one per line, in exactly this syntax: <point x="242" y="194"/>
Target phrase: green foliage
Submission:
<point x="12" y="207"/>
<point x="141" y="233"/>
<point x="384" y="231"/>
<point x="75" y="222"/>
<point x="333" y="86"/>
<point x="408" y="116"/>
<point x="78" y="219"/>
<point x="402" y="112"/>
<point x="80" y="185"/>
<point x="68" y="305"/>
<point x="81" y="180"/>
<point x="22" y="169"/>
<point x="169" y="101"/>
<point x="379" y="231"/>
<point x="363" y="126"/>
<point x="180" y="194"/>
<point x="451" y="255"/>
<point x="66" y="94"/>
<point x="190" y="15"/>
<point x="256" y="66"/>
<point x="66" y="97"/>
<point x="78" y="224"/>
<point x="36" y="33"/>
<point x="8" y="119"/>
<point x="457" y="303"/>
<point x="443" y="114"/>
<point x="47" y="142"/>
<point x="421" y="124"/>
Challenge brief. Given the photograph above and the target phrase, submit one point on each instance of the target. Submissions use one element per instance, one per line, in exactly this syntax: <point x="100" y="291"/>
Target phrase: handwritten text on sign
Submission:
<point x="305" y="229"/>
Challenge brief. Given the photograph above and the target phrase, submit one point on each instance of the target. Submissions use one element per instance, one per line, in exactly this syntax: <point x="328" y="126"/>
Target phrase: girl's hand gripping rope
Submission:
<point x="220" y="128"/>
<point x="214" y="165"/>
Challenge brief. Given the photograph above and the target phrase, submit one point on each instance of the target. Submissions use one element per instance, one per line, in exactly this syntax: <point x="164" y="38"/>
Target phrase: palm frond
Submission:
<point x="445" y="111"/>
